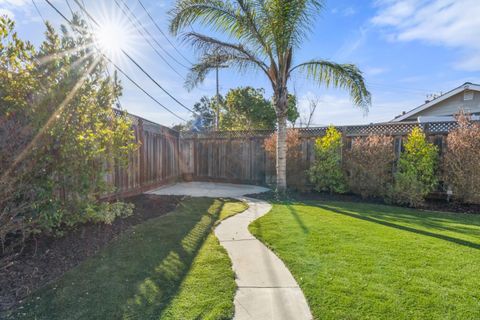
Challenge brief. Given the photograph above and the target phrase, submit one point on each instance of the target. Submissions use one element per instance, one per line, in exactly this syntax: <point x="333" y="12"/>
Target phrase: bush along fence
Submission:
<point x="369" y="156"/>
<point x="240" y="156"/>
<point x="164" y="156"/>
<point x="377" y="160"/>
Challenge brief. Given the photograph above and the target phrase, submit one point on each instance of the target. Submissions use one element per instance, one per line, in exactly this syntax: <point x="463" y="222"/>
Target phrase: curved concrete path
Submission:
<point x="266" y="289"/>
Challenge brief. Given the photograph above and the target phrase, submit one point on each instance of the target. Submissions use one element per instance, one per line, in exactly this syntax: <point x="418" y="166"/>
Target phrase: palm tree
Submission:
<point x="263" y="35"/>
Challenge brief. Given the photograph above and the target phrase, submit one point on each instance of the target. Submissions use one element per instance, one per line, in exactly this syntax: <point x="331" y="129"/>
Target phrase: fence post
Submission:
<point x="141" y="140"/>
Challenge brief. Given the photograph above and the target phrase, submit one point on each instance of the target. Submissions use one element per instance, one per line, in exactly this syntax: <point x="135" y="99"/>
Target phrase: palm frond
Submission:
<point x="218" y="14"/>
<point x="208" y="45"/>
<point x="290" y="21"/>
<point x="344" y="76"/>
<point x="209" y="62"/>
<point x="221" y="16"/>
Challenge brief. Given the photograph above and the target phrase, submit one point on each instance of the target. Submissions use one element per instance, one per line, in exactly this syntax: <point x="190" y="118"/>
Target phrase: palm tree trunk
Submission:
<point x="282" y="153"/>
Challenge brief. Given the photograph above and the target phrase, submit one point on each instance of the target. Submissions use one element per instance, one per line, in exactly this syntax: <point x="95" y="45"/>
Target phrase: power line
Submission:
<point x="151" y="36"/>
<point x="117" y="67"/>
<point x="143" y="90"/>
<point x="38" y="11"/>
<point x="136" y="63"/>
<point x="58" y="11"/>
<point x="69" y="7"/>
<point x="163" y="34"/>
<point x="148" y="41"/>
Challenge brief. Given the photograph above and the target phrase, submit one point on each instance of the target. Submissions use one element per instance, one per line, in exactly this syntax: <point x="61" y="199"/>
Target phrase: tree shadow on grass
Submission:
<point x="362" y="216"/>
<point x="297" y="218"/>
<point x="137" y="276"/>
<point x="156" y="291"/>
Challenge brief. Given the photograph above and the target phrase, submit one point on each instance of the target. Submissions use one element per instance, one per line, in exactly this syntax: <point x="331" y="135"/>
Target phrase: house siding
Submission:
<point x="451" y="106"/>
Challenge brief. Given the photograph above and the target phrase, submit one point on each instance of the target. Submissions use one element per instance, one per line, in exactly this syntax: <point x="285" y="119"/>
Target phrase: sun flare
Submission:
<point x="112" y="38"/>
<point x="114" y="35"/>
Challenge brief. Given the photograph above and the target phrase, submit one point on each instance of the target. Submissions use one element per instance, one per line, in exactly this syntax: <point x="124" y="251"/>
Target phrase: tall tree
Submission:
<point x="263" y="35"/>
<point x="246" y="108"/>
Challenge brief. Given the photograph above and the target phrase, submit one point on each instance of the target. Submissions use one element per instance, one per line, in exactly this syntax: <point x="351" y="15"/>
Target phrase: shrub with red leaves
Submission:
<point x="369" y="165"/>
<point x="461" y="162"/>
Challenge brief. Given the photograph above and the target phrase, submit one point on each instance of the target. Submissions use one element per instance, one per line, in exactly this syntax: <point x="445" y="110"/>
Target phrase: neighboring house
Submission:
<point x="445" y="106"/>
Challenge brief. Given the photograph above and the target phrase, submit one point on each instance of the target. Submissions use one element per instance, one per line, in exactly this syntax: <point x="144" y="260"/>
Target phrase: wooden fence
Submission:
<point x="165" y="156"/>
<point x="153" y="164"/>
<point x="239" y="156"/>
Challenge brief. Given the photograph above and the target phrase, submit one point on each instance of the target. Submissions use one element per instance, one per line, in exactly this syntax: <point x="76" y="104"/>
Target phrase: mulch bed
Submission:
<point x="45" y="259"/>
<point x="430" y="204"/>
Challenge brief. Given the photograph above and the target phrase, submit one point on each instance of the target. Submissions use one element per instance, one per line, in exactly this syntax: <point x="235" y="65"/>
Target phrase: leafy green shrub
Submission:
<point x="461" y="163"/>
<point x="327" y="173"/>
<point x="108" y="212"/>
<point x="369" y="164"/>
<point x="415" y="177"/>
<point x="58" y="129"/>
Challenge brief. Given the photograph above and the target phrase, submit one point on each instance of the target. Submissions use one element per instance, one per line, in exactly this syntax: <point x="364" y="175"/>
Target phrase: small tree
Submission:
<point x="246" y="108"/>
<point x="461" y="162"/>
<point x="415" y="177"/>
<point x="369" y="163"/>
<point x="327" y="173"/>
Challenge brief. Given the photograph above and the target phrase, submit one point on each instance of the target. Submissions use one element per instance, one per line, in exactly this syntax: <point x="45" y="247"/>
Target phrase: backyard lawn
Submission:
<point x="170" y="267"/>
<point x="366" y="261"/>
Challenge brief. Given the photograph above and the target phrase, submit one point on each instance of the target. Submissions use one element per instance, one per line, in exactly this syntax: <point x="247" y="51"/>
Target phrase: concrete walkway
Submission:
<point x="266" y="289"/>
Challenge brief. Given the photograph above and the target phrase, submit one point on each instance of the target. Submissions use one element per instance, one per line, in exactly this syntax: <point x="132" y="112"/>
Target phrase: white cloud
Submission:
<point x="451" y="23"/>
<point x="9" y="7"/>
<point x="15" y="3"/>
<point x="349" y="11"/>
<point x="375" y="71"/>
<point x="6" y="12"/>
<point x="346" y="12"/>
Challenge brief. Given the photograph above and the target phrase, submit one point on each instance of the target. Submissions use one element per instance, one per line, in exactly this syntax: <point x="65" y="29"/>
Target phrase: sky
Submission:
<point x="407" y="50"/>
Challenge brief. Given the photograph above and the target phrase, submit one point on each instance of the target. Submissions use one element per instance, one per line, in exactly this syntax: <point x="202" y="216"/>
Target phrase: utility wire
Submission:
<point x="59" y="12"/>
<point x="137" y="64"/>
<point x="116" y="66"/>
<point x="69" y="7"/>
<point x="148" y="41"/>
<point x="143" y="90"/>
<point x="163" y="34"/>
<point x="151" y="36"/>
<point x="38" y="11"/>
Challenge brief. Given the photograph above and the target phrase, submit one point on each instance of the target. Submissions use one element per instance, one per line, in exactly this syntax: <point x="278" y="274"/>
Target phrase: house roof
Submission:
<point x="463" y="87"/>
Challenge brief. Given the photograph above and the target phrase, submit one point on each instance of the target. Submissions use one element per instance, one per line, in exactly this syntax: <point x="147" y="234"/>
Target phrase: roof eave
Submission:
<point x="463" y="87"/>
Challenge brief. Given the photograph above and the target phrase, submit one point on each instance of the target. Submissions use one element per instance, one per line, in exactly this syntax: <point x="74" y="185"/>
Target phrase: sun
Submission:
<point x="113" y="34"/>
<point x="112" y="38"/>
<point x="109" y="38"/>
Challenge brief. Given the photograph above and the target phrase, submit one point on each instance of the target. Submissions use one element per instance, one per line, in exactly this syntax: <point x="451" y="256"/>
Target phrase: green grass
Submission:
<point x="171" y="267"/>
<point x="365" y="261"/>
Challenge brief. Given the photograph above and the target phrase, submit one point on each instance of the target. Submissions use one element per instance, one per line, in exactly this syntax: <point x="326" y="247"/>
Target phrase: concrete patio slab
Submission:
<point x="208" y="189"/>
<point x="266" y="289"/>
